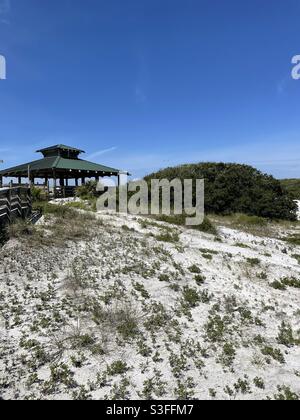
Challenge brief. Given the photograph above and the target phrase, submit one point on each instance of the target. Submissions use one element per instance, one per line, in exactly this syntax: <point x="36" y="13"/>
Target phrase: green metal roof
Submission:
<point x="59" y="163"/>
<point x="61" y="147"/>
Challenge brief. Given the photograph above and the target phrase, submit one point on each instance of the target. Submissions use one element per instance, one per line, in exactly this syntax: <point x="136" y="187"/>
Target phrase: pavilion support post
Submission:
<point x="1" y="181"/>
<point x="62" y="185"/>
<point x="54" y="184"/>
<point x="83" y="181"/>
<point x="76" y="182"/>
<point x="46" y="184"/>
<point x="19" y="180"/>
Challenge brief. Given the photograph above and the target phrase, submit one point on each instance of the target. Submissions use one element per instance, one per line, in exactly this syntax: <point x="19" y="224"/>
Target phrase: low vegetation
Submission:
<point x="234" y="188"/>
<point x="101" y="306"/>
<point x="292" y="186"/>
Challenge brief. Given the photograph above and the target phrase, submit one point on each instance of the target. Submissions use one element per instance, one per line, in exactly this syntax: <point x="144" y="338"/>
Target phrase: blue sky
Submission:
<point x="144" y="84"/>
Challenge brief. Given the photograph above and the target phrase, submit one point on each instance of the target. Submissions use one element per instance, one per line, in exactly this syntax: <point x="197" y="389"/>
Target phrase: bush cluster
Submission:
<point x="234" y="188"/>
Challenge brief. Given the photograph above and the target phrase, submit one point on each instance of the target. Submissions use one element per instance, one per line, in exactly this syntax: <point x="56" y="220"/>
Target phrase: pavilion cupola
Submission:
<point x="61" y="150"/>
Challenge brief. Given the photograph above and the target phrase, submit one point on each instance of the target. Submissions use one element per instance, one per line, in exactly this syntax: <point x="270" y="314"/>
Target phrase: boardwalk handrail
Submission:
<point x="14" y="202"/>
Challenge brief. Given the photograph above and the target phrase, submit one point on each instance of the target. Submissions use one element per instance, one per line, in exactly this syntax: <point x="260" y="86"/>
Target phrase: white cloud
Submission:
<point x="5" y="7"/>
<point x="140" y="95"/>
<point x="100" y="153"/>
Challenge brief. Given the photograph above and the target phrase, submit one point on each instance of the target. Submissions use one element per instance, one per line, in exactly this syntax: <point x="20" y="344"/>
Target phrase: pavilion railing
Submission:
<point x="14" y="202"/>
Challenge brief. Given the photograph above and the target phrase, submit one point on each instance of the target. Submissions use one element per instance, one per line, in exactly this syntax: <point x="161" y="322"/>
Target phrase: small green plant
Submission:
<point x="228" y="355"/>
<point x="168" y="237"/>
<point x="242" y="386"/>
<point x="191" y="297"/>
<point x="297" y="257"/>
<point x="207" y="256"/>
<point x="286" y="282"/>
<point x="178" y="364"/>
<point x="216" y="328"/>
<point x="212" y="393"/>
<point x="143" y="349"/>
<point x="286" y="394"/>
<point x="194" y="269"/>
<point x="241" y="245"/>
<point x="278" y="285"/>
<point x="253" y="261"/>
<point x="294" y="240"/>
<point x="259" y="383"/>
<point x="199" y="279"/>
<point x="154" y="387"/>
<point x="205" y="297"/>
<point x="119" y="391"/>
<point x="81" y="395"/>
<point x="291" y="282"/>
<point x="142" y="290"/>
<point x="208" y="251"/>
<point x="286" y="336"/>
<point x="185" y="390"/>
<point x="117" y="368"/>
<point x="275" y="354"/>
<point x="164" y="278"/>
<point x="128" y="329"/>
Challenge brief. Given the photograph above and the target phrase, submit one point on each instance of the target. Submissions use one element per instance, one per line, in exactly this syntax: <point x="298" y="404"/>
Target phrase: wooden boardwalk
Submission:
<point x="14" y="202"/>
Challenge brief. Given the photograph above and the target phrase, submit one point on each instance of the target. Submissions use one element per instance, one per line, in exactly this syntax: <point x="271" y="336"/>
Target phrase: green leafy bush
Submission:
<point x="38" y="194"/>
<point x="87" y="191"/>
<point x="233" y="188"/>
<point x="292" y="186"/>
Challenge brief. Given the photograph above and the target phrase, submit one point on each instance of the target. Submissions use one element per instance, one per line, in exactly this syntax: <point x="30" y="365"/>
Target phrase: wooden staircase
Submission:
<point x="14" y="202"/>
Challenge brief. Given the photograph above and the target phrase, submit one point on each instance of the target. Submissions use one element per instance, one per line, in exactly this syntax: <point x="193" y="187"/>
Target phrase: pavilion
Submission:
<point x="61" y="164"/>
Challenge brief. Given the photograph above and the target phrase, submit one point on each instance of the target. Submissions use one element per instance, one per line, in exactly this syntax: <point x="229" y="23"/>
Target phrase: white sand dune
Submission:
<point x="193" y="318"/>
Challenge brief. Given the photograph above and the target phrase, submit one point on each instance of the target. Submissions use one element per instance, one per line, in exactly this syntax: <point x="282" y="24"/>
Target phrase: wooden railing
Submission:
<point x="14" y="202"/>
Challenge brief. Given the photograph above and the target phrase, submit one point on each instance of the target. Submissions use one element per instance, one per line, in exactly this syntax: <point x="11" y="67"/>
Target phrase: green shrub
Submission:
<point x="286" y="394"/>
<point x="294" y="240"/>
<point x="206" y="226"/>
<point x="245" y="219"/>
<point x="292" y="186"/>
<point x="253" y="261"/>
<point x="191" y="297"/>
<point x="286" y="282"/>
<point x="117" y="368"/>
<point x="234" y="188"/>
<point x="286" y="336"/>
<point x="38" y="194"/>
<point x="20" y="229"/>
<point x="275" y="354"/>
<point x="128" y="329"/>
<point x="87" y="191"/>
<point x="199" y="279"/>
<point x="168" y="237"/>
<point x="278" y="285"/>
<point x="194" y="269"/>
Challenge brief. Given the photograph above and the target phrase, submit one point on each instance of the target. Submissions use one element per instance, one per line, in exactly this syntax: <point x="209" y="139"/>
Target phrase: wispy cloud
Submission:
<point x="5" y="7"/>
<point x="283" y="84"/>
<point x="140" y="95"/>
<point x="101" y="152"/>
